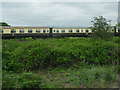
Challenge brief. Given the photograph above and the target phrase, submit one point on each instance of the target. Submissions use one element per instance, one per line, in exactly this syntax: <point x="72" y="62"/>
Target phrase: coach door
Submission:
<point x="50" y="30"/>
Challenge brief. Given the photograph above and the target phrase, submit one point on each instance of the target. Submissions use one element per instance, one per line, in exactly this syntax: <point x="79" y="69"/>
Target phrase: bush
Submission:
<point x="116" y="39"/>
<point x="8" y="46"/>
<point x="37" y="54"/>
<point x="24" y="80"/>
<point x="8" y="81"/>
<point x="29" y="80"/>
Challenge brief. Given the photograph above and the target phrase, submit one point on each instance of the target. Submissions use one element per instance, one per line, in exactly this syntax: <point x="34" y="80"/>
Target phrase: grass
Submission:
<point x="78" y="74"/>
<point x="82" y="77"/>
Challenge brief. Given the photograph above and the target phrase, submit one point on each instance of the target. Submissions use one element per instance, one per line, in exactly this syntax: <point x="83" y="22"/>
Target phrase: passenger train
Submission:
<point x="11" y="32"/>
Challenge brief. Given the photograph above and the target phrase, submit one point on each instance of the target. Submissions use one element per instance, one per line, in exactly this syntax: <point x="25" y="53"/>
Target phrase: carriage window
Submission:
<point x="47" y="30"/>
<point x="57" y="31"/>
<point x="77" y="30"/>
<point x="21" y="30"/>
<point x="1" y="31"/>
<point x="13" y="31"/>
<point x="63" y="31"/>
<point x="81" y="30"/>
<point x="43" y="31"/>
<point x="54" y="30"/>
<point x="86" y="30"/>
<point x="29" y="30"/>
<point x="70" y="30"/>
<point x="37" y="30"/>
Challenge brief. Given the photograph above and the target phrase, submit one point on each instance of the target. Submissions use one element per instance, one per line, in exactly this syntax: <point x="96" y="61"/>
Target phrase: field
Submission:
<point x="71" y="62"/>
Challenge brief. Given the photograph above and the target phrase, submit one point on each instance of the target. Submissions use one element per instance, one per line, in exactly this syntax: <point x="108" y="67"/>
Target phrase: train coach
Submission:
<point x="18" y="32"/>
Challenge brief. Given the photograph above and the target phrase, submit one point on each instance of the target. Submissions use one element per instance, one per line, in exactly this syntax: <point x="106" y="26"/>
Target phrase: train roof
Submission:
<point x="69" y="27"/>
<point x="24" y="26"/>
<point x="45" y="27"/>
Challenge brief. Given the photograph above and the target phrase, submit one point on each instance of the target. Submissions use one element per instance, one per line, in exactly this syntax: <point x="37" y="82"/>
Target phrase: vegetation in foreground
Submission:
<point x="66" y="62"/>
<point x="80" y="77"/>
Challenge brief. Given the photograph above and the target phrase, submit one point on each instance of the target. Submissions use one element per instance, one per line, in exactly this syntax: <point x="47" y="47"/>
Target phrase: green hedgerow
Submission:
<point x="23" y="80"/>
<point x="39" y="53"/>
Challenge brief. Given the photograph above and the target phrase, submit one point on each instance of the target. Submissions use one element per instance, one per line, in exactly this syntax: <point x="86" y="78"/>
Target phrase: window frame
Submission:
<point x="70" y="30"/>
<point x="47" y="30"/>
<point x="77" y="30"/>
<point x="21" y="30"/>
<point x="57" y="31"/>
<point x="13" y="30"/>
<point x="30" y="30"/>
<point x="63" y="30"/>
<point x="81" y="30"/>
<point x="1" y="31"/>
<point x="86" y="30"/>
<point x="38" y="30"/>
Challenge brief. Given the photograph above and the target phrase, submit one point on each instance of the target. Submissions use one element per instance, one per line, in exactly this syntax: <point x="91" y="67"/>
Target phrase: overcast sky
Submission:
<point x="57" y="13"/>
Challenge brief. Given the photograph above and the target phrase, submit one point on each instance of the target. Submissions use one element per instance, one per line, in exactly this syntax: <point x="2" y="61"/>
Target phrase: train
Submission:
<point x="47" y="31"/>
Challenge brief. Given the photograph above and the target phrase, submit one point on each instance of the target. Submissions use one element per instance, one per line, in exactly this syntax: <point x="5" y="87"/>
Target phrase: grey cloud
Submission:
<point x="56" y="14"/>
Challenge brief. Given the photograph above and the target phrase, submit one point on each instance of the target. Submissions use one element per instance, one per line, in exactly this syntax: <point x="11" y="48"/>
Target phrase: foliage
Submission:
<point x="83" y="77"/>
<point x="101" y="28"/>
<point x="116" y="40"/>
<point x="65" y="62"/>
<point x="7" y="48"/>
<point x="3" y="24"/>
<point x="23" y="80"/>
<point x="89" y="76"/>
<point x="118" y="25"/>
<point x="27" y="54"/>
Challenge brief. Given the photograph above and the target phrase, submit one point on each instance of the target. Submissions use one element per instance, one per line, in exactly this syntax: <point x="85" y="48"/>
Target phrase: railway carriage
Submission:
<point x="71" y="31"/>
<point x="9" y="32"/>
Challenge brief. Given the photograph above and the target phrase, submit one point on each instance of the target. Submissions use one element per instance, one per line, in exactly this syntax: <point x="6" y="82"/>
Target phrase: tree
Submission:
<point x="101" y="28"/>
<point x="3" y="24"/>
<point x="118" y="25"/>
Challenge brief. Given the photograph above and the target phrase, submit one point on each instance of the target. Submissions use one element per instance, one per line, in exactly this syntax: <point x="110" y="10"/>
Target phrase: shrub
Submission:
<point x="24" y="80"/>
<point x="8" y="80"/>
<point x="116" y="39"/>
<point x="29" y="80"/>
<point x="37" y="54"/>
